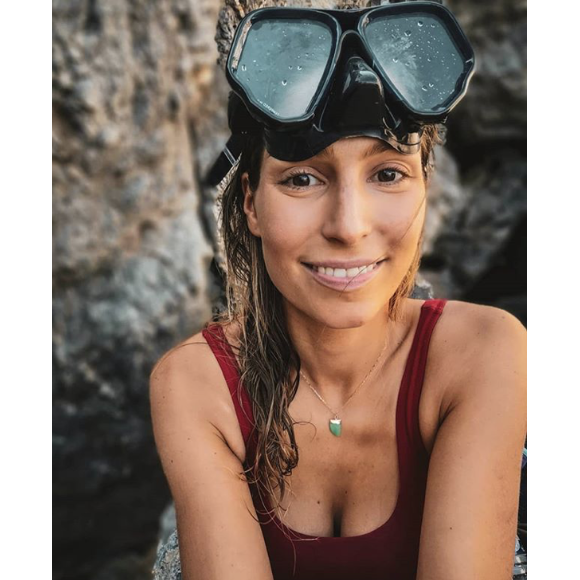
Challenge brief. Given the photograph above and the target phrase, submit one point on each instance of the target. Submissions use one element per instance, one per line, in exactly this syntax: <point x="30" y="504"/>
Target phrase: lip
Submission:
<point x="346" y="264"/>
<point x="344" y="284"/>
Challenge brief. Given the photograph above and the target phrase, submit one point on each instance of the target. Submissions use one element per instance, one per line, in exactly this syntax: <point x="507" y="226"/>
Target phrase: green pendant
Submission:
<point x="335" y="426"/>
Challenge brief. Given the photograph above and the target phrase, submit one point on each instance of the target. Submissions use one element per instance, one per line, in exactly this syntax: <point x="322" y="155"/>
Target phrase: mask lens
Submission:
<point x="282" y="64"/>
<point x="419" y="57"/>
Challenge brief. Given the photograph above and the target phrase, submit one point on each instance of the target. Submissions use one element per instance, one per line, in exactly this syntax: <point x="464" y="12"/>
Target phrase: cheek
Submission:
<point x="285" y="229"/>
<point x="400" y="221"/>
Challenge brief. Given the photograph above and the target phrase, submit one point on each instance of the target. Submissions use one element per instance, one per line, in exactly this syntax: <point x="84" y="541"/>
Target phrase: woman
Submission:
<point x="327" y="425"/>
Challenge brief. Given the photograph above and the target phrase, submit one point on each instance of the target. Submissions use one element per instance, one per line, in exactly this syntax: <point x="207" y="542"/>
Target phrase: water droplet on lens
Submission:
<point x="244" y="67"/>
<point x="419" y="24"/>
<point x="284" y="82"/>
<point x="306" y="55"/>
<point x="290" y="67"/>
<point x="428" y="59"/>
<point x="298" y="67"/>
<point x="431" y="85"/>
<point x="395" y="59"/>
<point x="407" y="33"/>
<point x="424" y="88"/>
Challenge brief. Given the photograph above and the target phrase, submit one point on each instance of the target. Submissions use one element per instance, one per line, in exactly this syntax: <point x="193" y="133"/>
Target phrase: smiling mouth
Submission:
<point x="345" y="283"/>
<point x="315" y="269"/>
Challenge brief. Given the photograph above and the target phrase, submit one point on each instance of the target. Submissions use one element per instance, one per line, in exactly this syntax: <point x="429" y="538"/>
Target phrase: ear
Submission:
<point x="250" y="207"/>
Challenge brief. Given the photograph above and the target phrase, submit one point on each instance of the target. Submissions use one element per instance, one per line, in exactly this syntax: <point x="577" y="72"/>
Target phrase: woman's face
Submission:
<point x="357" y="203"/>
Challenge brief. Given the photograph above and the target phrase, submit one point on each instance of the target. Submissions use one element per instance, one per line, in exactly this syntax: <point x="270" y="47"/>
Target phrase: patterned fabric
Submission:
<point x="168" y="564"/>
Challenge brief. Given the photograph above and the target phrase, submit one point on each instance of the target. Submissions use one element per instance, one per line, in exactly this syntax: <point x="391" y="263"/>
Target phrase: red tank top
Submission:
<point x="390" y="552"/>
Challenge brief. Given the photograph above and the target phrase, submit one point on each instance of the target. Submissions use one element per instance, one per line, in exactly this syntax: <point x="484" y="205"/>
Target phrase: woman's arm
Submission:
<point x="470" y="517"/>
<point x="219" y="538"/>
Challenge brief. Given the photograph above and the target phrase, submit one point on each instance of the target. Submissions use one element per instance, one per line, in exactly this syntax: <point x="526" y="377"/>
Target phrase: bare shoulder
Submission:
<point x="486" y="317"/>
<point x="187" y="383"/>
<point x="478" y="347"/>
<point x="467" y="327"/>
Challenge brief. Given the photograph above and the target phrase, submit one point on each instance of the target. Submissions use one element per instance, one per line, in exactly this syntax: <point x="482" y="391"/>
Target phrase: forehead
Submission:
<point x="351" y="148"/>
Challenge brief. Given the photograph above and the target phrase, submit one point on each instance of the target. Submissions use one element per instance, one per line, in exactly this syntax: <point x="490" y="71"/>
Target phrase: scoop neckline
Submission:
<point x="395" y="513"/>
<point x="278" y="522"/>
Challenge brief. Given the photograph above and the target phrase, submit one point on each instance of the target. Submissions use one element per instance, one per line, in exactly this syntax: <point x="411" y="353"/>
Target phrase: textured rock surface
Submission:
<point x="139" y="114"/>
<point x="132" y="97"/>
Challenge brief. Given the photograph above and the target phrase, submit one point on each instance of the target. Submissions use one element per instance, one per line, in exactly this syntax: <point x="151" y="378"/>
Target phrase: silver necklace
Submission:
<point x="335" y="424"/>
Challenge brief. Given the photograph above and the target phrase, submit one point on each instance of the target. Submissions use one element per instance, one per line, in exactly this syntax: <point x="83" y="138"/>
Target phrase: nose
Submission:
<point x="348" y="216"/>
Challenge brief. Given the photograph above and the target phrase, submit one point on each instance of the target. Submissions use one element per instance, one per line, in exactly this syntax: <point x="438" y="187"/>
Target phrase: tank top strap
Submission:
<point x="224" y="354"/>
<point x="409" y="439"/>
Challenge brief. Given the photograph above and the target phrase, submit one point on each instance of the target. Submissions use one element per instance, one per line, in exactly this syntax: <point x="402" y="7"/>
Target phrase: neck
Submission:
<point x="337" y="360"/>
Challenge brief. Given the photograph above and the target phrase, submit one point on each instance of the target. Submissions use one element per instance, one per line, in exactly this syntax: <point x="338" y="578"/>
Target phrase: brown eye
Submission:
<point x="390" y="176"/>
<point x="387" y="175"/>
<point x="301" y="180"/>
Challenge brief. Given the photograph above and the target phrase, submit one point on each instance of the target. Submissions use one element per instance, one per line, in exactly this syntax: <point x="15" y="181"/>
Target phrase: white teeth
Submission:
<point x="343" y="273"/>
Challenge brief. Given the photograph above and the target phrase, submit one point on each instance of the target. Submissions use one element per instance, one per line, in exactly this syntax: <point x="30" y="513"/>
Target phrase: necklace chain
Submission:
<point x="353" y="393"/>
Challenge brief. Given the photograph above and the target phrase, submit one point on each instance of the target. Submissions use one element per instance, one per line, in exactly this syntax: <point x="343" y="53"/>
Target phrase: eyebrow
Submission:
<point x="374" y="149"/>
